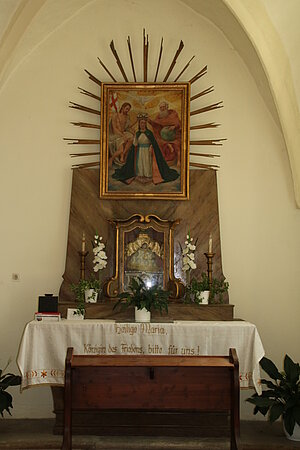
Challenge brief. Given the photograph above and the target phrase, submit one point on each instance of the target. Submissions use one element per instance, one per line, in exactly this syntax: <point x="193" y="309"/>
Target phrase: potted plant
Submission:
<point x="282" y="398"/>
<point x="6" y="380"/>
<point x="217" y="290"/>
<point x="200" y="291"/>
<point x="144" y="299"/>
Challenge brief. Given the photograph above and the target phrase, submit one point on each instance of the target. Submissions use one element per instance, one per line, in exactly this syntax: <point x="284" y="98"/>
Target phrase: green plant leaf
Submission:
<point x="276" y="411"/>
<point x="269" y="367"/>
<point x="291" y="369"/>
<point x="9" y="380"/>
<point x="261" y="401"/>
<point x="289" y="421"/>
<point x="262" y="410"/>
<point x="296" y="412"/>
<point x="5" y="402"/>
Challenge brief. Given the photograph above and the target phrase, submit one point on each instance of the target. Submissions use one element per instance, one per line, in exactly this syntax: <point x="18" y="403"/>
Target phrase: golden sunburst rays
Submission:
<point x="195" y="114"/>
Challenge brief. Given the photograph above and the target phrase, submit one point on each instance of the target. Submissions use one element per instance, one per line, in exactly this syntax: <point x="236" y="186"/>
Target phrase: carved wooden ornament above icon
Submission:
<point x="145" y="133"/>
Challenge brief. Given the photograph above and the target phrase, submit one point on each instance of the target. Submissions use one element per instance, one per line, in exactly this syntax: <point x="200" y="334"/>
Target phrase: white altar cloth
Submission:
<point x="43" y="347"/>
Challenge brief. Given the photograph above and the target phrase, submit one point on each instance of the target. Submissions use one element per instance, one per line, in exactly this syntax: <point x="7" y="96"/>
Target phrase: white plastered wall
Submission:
<point x="259" y="220"/>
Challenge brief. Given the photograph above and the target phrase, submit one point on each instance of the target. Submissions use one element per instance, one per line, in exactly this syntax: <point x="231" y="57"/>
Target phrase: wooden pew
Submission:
<point x="152" y="383"/>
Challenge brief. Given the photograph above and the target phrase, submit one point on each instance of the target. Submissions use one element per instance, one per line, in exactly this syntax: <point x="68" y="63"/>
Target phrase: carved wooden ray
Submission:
<point x="206" y="155"/>
<point x="118" y="61"/>
<point x="131" y="58"/>
<point x="86" y="125"/>
<point x="196" y="77"/>
<point x="145" y="54"/>
<point x="94" y="79"/>
<point x="75" y="155"/>
<point x="207" y="108"/>
<point x="82" y="141"/>
<point x="184" y="69"/>
<point x="206" y="91"/>
<point x="106" y="70"/>
<point x="204" y="125"/>
<point x="208" y="142"/>
<point x="159" y="59"/>
<point x="89" y="94"/>
<point x="84" y="108"/>
<point x="179" y="50"/>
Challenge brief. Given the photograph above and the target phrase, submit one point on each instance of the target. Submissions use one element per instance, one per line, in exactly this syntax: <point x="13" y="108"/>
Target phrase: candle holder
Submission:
<point x="209" y="260"/>
<point x="82" y="256"/>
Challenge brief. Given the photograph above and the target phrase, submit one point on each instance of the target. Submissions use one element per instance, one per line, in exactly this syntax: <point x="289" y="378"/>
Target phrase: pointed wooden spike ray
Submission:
<point x="114" y="52"/>
<point x="179" y="50"/>
<point x="86" y="125"/>
<point x="86" y="165"/>
<point x="145" y="54"/>
<point x="106" y="70"/>
<point x="159" y="59"/>
<point x="207" y="108"/>
<point x="131" y="58"/>
<point x="198" y="75"/>
<point x="93" y="78"/>
<point x="208" y="142"/>
<point x="206" y="91"/>
<point x="89" y="94"/>
<point x="84" y="108"/>
<point x="184" y="69"/>
<point x="204" y="125"/>
<point x="205" y="166"/>
<point x="206" y="155"/>
<point x="75" y="155"/>
<point x="82" y="141"/>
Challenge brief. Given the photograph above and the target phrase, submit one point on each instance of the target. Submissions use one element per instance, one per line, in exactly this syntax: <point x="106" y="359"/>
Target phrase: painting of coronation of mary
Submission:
<point x="144" y="141"/>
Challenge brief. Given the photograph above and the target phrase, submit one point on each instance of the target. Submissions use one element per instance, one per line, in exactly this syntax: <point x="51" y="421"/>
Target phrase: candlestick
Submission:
<point x="82" y="255"/>
<point x="210" y="243"/>
<point x="209" y="258"/>
<point x="83" y="242"/>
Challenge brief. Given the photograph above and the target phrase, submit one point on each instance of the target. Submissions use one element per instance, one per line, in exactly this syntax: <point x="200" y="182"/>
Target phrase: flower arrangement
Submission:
<point x="100" y="262"/>
<point x="188" y="257"/>
<point x="100" y="258"/>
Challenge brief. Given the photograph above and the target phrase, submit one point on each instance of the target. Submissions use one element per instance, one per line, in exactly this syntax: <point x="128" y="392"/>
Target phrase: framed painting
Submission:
<point x="144" y="248"/>
<point x="144" y="141"/>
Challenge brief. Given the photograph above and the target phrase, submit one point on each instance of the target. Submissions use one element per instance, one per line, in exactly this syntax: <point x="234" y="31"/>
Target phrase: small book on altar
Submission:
<point x="47" y="316"/>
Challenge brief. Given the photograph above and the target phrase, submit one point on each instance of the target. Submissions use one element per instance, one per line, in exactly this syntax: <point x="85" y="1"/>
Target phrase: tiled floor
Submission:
<point x="37" y="435"/>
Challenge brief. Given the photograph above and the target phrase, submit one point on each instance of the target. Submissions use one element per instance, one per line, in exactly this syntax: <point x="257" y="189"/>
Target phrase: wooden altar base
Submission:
<point x="177" y="311"/>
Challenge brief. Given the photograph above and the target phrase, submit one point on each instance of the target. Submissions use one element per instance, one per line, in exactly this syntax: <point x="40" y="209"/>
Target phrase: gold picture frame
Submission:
<point x="144" y="248"/>
<point x="144" y="141"/>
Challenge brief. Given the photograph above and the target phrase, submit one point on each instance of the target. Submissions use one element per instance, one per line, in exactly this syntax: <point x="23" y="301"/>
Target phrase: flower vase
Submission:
<point x="90" y="295"/>
<point x="73" y="314"/>
<point x="142" y="315"/>
<point x="203" y="297"/>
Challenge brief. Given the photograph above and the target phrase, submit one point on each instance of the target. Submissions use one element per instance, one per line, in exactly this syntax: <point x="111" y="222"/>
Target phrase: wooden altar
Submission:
<point x="90" y="214"/>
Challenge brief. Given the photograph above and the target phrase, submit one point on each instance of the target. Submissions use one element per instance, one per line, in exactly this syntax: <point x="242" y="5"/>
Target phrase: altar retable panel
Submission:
<point x="43" y="347"/>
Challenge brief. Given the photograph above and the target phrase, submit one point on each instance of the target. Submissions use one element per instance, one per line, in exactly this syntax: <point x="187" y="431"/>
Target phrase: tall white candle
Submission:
<point x="210" y="243"/>
<point x="83" y="243"/>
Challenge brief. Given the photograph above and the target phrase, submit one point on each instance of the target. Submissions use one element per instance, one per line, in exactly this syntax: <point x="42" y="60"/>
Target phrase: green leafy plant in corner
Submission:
<point x="152" y="298"/>
<point x="7" y="380"/>
<point x="79" y="291"/>
<point x="282" y="398"/>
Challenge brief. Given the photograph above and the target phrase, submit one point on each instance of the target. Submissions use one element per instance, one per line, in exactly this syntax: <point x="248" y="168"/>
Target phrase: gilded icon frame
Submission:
<point x="156" y="229"/>
<point x="159" y="171"/>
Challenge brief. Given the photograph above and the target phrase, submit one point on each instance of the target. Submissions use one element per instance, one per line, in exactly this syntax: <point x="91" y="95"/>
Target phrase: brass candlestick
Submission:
<point x="209" y="259"/>
<point x="82" y="256"/>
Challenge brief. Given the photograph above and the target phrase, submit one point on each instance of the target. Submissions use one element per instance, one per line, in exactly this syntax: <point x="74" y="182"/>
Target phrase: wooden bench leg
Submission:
<point x="67" y="439"/>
